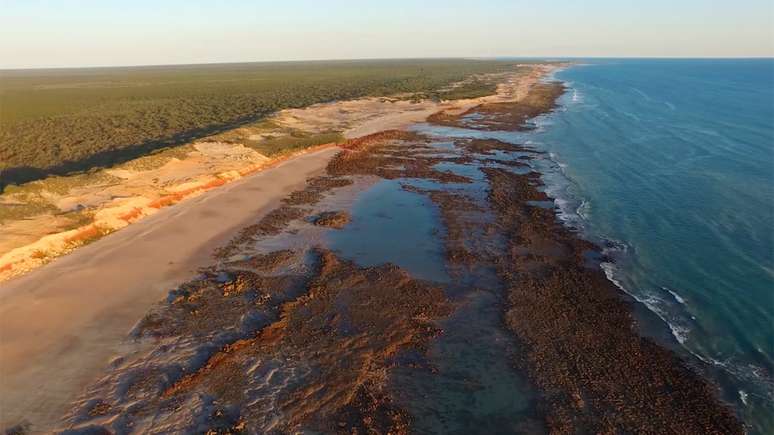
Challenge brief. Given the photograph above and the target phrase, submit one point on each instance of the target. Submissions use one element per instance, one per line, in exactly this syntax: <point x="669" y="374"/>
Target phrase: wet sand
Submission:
<point x="61" y="324"/>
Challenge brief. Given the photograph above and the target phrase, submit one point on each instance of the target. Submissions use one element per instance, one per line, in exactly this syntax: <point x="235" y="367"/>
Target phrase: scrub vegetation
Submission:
<point x="55" y="122"/>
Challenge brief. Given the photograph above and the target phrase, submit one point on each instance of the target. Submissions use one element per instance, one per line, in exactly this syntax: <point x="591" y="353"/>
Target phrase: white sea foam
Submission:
<point x="743" y="396"/>
<point x="541" y="123"/>
<point x="679" y="332"/>
<point x="577" y="97"/>
<point x="655" y="304"/>
<point x="748" y="372"/>
<point x="558" y="186"/>
<point x="630" y="115"/>
<point x="584" y="209"/>
<point x="642" y="94"/>
<point x="574" y="212"/>
<point x="677" y="297"/>
<point x="609" y="269"/>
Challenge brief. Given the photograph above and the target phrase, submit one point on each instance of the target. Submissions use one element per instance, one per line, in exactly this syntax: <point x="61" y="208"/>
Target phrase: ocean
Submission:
<point x="670" y="165"/>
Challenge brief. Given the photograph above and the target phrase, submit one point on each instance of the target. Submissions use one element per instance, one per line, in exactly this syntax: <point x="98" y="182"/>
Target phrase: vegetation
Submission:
<point x="34" y="198"/>
<point x="63" y="121"/>
<point x="473" y="87"/>
<point x="469" y="89"/>
<point x="294" y="142"/>
<point x="155" y="159"/>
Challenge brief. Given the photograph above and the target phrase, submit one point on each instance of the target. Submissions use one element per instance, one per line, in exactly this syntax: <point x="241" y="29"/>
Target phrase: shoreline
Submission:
<point x="672" y="304"/>
<point x="289" y="330"/>
<point x="334" y="333"/>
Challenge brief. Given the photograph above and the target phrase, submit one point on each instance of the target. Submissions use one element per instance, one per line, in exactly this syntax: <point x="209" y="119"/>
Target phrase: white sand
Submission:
<point x="61" y="324"/>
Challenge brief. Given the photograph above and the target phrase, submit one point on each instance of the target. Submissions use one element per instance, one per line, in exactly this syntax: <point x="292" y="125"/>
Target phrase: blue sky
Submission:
<point x="88" y="33"/>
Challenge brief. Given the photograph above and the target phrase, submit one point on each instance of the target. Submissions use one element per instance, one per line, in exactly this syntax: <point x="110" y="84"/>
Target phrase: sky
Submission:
<point x="61" y="33"/>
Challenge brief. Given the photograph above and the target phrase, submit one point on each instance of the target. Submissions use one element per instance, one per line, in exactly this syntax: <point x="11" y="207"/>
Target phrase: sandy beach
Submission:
<point x="61" y="324"/>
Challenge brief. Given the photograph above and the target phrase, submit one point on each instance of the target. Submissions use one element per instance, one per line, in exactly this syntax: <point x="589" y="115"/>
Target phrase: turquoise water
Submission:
<point x="671" y="162"/>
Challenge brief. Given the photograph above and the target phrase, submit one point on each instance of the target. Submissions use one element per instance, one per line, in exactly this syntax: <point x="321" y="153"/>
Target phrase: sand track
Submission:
<point x="61" y="324"/>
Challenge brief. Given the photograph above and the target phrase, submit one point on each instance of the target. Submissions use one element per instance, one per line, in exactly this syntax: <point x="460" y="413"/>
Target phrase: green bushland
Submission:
<point x="155" y="159"/>
<point x="294" y="142"/>
<point x="70" y="120"/>
<point x="471" y="88"/>
<point x="32" y="199"/>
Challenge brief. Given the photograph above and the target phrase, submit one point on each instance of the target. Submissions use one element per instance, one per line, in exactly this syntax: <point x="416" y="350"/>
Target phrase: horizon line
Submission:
<point x="489" y="58"/>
